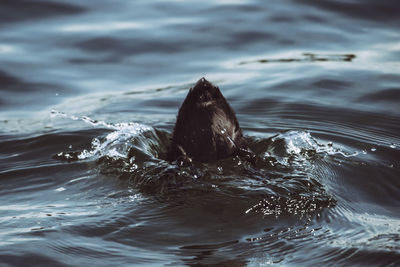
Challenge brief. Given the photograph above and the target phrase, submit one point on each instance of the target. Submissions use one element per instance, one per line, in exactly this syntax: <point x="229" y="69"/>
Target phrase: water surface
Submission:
<point x="89" y="97"/>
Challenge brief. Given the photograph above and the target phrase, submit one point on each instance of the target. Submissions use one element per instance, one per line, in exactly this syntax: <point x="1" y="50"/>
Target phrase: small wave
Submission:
<point x="132" y="127"/>
<point x="384" y="95"/>
<point x="36" y="10"/>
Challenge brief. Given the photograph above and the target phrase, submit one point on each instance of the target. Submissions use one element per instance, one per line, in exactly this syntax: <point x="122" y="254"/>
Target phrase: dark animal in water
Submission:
<point x="206" y="128"/>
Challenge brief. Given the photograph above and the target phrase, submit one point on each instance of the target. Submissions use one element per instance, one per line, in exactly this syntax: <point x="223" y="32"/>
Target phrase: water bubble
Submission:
<point x="330" y="143"/>
<point x="392" y="145"/>
<point x="373" y="149"/>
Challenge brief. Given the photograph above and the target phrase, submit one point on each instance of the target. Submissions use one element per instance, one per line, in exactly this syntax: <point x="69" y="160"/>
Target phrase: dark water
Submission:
<point x="316" y="88"/>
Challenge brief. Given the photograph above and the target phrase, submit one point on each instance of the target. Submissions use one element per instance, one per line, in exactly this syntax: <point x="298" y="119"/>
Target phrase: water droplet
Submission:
<point x="373" y="149"/>
<point x="60" y="189"/>
<point x="70" y="146"/>
<point x="133" y="167"/>
<point x="220" y="170"/>
<point x="392" y="145"/>
<point x="95" y="142"/>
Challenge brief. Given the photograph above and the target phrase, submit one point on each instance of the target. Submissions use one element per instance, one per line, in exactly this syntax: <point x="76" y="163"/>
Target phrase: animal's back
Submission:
<point x="206" y="128"/>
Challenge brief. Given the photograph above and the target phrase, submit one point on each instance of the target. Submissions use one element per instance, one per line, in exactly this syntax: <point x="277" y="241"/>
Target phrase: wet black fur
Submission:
<point x="206" y="128"/>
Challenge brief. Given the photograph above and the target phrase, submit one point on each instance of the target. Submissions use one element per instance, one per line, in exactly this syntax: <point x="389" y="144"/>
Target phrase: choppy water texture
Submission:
<point x="89" y="95"/>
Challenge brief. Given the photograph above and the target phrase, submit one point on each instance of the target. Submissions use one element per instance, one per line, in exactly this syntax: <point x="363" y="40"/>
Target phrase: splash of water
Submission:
<point x="115" y="145"/>
<point x="301" y="143"/>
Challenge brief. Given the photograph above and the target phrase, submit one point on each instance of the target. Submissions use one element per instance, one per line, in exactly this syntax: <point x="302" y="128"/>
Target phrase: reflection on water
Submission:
<point x="307" y="57"/>
<point x="90" y="94"/>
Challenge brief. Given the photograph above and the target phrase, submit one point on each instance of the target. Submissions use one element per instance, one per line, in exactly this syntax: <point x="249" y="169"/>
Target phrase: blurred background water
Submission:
<point x="315" y="86"/>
